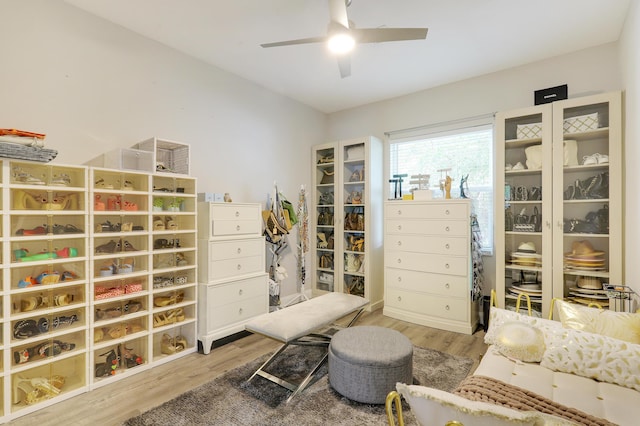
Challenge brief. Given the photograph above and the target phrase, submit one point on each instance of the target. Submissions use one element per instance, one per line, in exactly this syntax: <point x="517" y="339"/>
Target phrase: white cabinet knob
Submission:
<point x="239" y="250"/>
<point x="447" y="307"/>
<point x="399" y="243"/>
<point x="239" y="266"/>
<point x="237" y="227"/>
<point x="446" y="265"/>
<point x="446" y="229"/>
<point x="399" y="279"/>
<point x="446" y="212"/>
<point x="399" y="227"/>
<point x="446" y="246"/>
<point x="240" y="311"/>
<point x="237" y="213"/>
<point x="399" y="212"/>
<point x="447" y="286"/>
<point x="240" y="292"/>
<point x="399" y="261"/>
<point x="399" y="299"/>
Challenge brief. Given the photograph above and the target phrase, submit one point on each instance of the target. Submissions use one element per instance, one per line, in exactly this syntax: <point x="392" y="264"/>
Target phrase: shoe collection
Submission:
<point x="37" y="389"/>
<point x="46" y="277"/>
<point x="130" y="307"/>
<point x="42" y="350"/>
<point x="27" y="328"/>
<point x="161" y="281"/>
<point x="46" y="229"/>
<point x="168" y="223"/>
<point x="597" y="158"/>
<point x="30" y="303"/>
<point x="171" y="345"/>
<point x="115" y="246"/>
<point x="116" y="331"/>
<point x="168" y="317"/>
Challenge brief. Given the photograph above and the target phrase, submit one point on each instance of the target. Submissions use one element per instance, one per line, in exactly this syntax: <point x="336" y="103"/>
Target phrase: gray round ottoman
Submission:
<point x="366" y="362"/>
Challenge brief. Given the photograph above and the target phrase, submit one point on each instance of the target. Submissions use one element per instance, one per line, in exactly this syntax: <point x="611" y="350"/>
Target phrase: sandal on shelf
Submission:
<point x="117" y="331"/>
<point x="168" y="345"/>
<point x="38" y="230"/>
<point x="62" y="179"/>
<point x="127" y="227"/>
<point x="171" y="224"/>
<point x="127" y="246"/>
<point x="129" y="358"/>
<point x="37" y="389"/>
<point x="179" y="314"/>
<point x="110" y="247"/>
<point x="107" y="313"/>
<point x="21" y="176"/>
<point x="181" y="343"/>
<point x="100" y="183"/>
<point x="132" y="306"/>
<point x="168" y="300"/>
<point x="158" y="224"/>
<point x="110" y="364"/>
<point x="159" y="320"/>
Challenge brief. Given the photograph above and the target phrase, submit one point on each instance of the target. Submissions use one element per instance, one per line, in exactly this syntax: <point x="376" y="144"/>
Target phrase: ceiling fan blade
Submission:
<point x="298" y="41"/>
<point x="344" y="63"/>
<point x="378" y="35"/>
<point x="338" y="12"/>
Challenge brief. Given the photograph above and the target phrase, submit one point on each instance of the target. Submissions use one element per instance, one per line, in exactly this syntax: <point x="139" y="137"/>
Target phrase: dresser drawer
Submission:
<point x="427" y="227"/>
<point x="427" y="262"/>
<point x="425" y="282"/>
<point x="434" y="306"/>
<point x="236" y="249"/>
<point x="458" y="246"/>
<point x="236" y="291"/>
<point x="228" y="219"/>
<point x="433" y="210"/>
<point x="227" y="268"/>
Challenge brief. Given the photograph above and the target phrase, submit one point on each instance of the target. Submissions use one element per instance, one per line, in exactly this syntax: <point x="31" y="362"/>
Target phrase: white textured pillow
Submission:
<point x="435" y="407"/>
<point x="519" y="340"/>
<point x="593" y="355"/>
<point x="498" y="317"/>
<point x="621" y="325"/>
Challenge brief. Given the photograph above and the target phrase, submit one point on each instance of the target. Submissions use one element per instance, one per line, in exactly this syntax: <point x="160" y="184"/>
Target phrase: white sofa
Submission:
<point x="587" y="343"/>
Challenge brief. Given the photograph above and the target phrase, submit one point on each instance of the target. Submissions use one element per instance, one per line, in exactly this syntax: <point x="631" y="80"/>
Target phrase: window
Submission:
<point x="466" y="149"/>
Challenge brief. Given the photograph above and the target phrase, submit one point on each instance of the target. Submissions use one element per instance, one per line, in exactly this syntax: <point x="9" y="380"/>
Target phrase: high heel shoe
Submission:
<point x="109" y="366"/>
<point x="129" y="358"/>
<point x="158" y="224"/>
<point x="127" y="246"/>
<point x="22" y="176"/>
<point x="168" y="346"/>
<point x="168" y="300"/>
<point x="171" y="224"/>
<point x="36" y="389"/>
<point x="110" y="247"/>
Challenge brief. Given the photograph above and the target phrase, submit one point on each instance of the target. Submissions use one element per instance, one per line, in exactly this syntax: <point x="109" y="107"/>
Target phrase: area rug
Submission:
<point x="231" y="400"/>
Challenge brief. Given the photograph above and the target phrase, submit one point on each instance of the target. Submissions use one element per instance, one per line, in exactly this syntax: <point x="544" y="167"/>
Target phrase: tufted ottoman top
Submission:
<point x="372" y="346"/>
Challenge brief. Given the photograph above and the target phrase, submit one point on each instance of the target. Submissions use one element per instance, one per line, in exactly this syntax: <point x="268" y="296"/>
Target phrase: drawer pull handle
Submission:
<point x="446" y="246"/>
<point x="446" y="212"/>
<point x="399" y="279"/>
<point x="446" y="265"/>
<point x="447" y="307"/>
<point x="399" y="299"/>
<point x="240" y="266"/>
<point x="399" y="227"/>
<point x="240" y="311"/>
<point x="237" y="213"/>
<point x="446" y="286"/>
<point x="237" y="227"/>
<point x="399" y="261"/>
<point x="239" y="250"/>
<point x="399" y="243"/>
<point x="446" y="229"/>
<point x="240" y="292"/>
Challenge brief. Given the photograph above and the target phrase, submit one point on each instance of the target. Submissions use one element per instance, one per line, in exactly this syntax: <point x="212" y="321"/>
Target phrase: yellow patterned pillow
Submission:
<point x="620" y="325"/>
<point x="593" y="355"/>
<point x="519" y="340"/>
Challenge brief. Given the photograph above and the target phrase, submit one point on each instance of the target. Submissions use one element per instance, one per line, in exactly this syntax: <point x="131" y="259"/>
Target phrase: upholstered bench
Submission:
<point x="366" y="362"/>
<point x="294" y="325"/>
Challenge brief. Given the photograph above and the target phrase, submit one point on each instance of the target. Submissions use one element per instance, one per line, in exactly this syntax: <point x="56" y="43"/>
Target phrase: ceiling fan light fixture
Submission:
<point x="341" y="43"/>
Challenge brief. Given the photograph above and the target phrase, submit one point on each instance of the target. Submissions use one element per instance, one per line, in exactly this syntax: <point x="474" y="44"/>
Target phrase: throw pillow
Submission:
<point x="620" y="325"/>
<point x="435" y="407"/>
<point x="498" y="317"/>
<point x="594" y="356"/>
<point x="519" y="340"/>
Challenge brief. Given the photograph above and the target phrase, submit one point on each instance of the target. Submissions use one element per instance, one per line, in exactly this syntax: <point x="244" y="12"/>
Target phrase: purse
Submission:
<point x="288" y="207"/>
<point x="354" y="220"/>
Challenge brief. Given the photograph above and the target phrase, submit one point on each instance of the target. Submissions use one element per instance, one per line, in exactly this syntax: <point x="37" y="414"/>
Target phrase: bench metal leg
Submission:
<point x="312" y="339"/>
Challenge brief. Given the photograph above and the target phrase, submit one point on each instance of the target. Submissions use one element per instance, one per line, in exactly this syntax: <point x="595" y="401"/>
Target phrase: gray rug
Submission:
<point x="229" y="400"/>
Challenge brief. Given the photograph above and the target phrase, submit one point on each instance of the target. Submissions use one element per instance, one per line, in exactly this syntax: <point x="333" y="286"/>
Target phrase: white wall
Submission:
<point x="630" y="65"/>
<point x="92" y="86"/>
<point x="586" y="72"/>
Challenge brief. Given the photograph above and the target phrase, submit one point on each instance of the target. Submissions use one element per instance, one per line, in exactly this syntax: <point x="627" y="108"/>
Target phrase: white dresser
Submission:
<point x="427" y="259"/>
<point x="233" y="285"/>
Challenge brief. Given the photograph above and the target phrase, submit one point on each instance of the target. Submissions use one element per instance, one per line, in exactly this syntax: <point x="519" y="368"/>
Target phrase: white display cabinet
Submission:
<point x="168" y="156"/>
<point x="346" y="218"/>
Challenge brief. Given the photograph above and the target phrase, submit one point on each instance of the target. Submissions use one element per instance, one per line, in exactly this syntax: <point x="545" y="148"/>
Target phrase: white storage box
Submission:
<point x="168" y="156"/>
<point x="529" y="131"/>
<point x="581" y="123"/>
<point x="125" y="159"/>
<point x="422" y="194"/>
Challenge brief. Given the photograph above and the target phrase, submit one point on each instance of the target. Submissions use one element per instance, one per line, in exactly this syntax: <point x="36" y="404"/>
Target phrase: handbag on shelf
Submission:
<point x="354" y="220"/>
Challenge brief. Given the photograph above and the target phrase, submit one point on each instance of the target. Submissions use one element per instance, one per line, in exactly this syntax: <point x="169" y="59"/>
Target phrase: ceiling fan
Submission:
<point x="342" y="35"/>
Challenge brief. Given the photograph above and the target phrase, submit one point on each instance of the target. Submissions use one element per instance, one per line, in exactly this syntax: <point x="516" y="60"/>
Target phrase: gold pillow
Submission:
<point x="619" y="325"/>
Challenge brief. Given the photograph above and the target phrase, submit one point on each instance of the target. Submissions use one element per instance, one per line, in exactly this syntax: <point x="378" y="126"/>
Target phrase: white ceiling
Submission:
<point x="466" y="38"/>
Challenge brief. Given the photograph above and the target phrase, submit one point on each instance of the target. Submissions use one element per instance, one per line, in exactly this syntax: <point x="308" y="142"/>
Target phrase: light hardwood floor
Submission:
<point x="115" y="403"/>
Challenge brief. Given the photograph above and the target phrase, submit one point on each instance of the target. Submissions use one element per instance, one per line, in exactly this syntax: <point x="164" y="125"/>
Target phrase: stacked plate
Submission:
<point x="533" y="290"/>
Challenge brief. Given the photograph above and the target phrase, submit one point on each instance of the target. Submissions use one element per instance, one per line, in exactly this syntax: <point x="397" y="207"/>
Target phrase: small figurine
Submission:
<point x="227" y="197"/>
